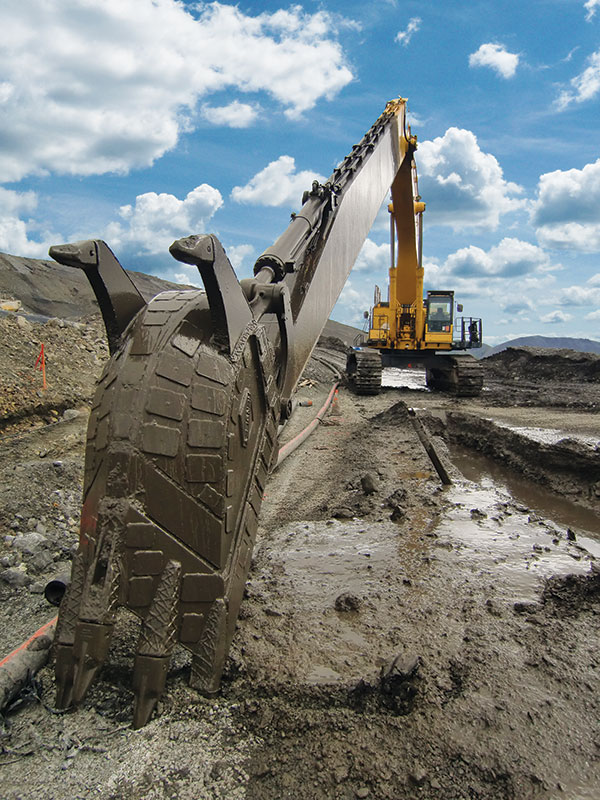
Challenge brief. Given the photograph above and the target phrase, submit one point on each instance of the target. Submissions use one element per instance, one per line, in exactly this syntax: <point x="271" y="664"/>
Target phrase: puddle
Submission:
<point x="413" y="378"/>
<point x="489" y="473"/>
<point x="516" y="548"/>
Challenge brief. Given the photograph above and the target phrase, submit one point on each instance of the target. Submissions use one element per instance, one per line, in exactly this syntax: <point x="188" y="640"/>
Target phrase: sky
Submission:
<point x="141" y="121"/>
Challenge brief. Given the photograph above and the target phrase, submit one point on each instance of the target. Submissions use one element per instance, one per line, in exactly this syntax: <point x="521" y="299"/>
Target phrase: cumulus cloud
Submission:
<point x="463" y="186"/>
<point x="497" y="57"/>
<point x="555" y="317"/>
<point x="584" y="86"/>
<point x="373" y="257"/>
<point x="593" y="315"/>
<point x="509" y="258"/>
<point x="404" y="37"/>
<point x="278" y="184"/>
<point x="16" y="227"/>
<point x="566" y="212"/>
<point x="591" y="6"/>
<point x="90" y="87"/>
<point x="579" y="296"/>
<point x="238" y="254"/>
<point x="233" y="115"/>
<point x="155" y="220"/>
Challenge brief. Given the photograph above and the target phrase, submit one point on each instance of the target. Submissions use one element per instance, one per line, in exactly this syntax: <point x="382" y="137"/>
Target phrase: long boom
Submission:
<point x="315" y="254"/>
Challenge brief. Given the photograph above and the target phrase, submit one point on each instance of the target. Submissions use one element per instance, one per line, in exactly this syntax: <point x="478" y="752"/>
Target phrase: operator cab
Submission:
<point x="440" y="308"/>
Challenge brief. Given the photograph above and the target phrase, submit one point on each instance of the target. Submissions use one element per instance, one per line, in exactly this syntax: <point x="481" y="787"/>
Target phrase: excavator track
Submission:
<point x="363" y="368"/>
<point x="460" y="375"/>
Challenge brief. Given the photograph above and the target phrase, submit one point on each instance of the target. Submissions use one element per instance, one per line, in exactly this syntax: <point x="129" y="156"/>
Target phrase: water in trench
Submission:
<point x="487" y="473"/>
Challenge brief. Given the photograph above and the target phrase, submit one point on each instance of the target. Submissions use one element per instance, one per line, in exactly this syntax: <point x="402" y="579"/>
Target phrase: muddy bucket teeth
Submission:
<point x="181" y="439"/>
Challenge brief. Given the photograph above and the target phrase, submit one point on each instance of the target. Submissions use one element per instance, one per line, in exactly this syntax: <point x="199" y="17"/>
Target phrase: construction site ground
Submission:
<point x="399" y="638"/>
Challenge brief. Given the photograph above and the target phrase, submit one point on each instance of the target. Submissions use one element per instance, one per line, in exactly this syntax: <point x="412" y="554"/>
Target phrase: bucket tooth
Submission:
<point x="149" y="678"/>
<point x="92" y="641"/>
<point x="117" y="295"/>
<point x="65" y="673"/>
<point x="208" y="662"/>
<point x="157" y="639"/>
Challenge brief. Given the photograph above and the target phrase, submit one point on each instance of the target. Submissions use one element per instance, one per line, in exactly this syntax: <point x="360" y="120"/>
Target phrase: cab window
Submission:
<point x="439" y="315"/>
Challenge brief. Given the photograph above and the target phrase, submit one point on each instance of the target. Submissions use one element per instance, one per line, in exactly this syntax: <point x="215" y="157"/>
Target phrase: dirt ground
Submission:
<point x="398" y="639"/>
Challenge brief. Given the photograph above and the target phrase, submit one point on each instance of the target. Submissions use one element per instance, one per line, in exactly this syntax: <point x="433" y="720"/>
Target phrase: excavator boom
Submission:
<point x="183" y="429"/>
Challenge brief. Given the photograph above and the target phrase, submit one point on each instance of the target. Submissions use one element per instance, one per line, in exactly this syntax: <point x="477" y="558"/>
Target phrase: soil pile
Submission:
<point x="74" y="353"/>
<point x="538" y="363"/>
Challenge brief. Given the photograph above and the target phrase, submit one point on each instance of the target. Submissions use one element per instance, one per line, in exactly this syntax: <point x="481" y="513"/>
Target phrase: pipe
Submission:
<point x="294" y="443"/>
<point x="54" y="591"/>
<point x="17" y="668"/>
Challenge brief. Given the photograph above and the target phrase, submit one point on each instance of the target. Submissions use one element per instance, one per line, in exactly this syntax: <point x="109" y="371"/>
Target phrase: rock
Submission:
<point x="343" y="513"/>
<point x="476" y="513"/>
<point x="15" y="577"/>
<point x="69" y="413"/>
<point x="367" y="483"/>
<point x="41" y="528"/>
<point x="30" y="543"/>
<point x="402" y="666"/>
<point x="41" y="560"/>
<point x="362" y="792"/>
<point x="521" y="607"/>
<point x="37" y="587"/>
<point x="418" y="776"/>
<point x="571" y="535"/>
<point x="347" y="602"/>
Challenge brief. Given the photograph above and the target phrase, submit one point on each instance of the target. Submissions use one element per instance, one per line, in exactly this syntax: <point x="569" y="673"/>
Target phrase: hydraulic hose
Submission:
<point x="294" y="443"/>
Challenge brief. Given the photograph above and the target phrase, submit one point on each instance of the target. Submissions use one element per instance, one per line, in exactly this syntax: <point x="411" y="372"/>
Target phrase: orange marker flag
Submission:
<point x="40" y="363"/>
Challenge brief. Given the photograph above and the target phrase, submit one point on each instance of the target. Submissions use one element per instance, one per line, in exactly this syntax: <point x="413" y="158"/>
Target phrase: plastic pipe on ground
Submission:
<point x="294" y="443"/>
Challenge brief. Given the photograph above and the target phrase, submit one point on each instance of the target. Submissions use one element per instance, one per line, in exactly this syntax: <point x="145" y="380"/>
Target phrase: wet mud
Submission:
<point x="398" y="639"/>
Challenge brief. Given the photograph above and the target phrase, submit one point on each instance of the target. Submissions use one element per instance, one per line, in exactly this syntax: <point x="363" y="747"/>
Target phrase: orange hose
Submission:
<point x="26" y="644"/>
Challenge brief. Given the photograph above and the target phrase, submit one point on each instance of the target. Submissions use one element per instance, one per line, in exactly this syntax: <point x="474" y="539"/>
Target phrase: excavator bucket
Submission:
<point x="183" y="427"/>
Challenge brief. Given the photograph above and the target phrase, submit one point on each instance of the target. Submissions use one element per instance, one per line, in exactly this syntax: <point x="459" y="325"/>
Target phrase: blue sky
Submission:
<point x="140" y="121"/>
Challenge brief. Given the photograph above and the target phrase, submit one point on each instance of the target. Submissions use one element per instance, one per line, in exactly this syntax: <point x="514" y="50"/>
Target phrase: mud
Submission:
<point x="397" y="639"/>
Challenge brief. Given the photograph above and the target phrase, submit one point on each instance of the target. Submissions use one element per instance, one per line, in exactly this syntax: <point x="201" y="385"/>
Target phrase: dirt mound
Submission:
<point x="74" y="355"/>
<point x="538" y="363"/>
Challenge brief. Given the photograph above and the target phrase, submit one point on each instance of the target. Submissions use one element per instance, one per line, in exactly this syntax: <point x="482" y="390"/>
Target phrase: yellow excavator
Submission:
<point x="409" y="329"/>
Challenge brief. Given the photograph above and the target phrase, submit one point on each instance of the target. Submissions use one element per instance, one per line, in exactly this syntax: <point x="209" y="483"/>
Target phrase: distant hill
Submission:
<point x="550" y="342"/>
<point x="52" y="290"/>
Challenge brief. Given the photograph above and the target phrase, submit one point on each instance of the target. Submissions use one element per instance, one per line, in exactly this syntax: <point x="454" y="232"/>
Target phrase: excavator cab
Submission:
<point x="439" y="308"/>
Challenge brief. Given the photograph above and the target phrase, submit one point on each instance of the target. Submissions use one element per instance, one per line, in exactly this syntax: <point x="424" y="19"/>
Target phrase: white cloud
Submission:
<point x="593" y="315"/>
<point x="155" y="220"/>
<point x="278" y="184"/>
<point x="497" y="57"/>
<point x="590" y="6"/>
<point x="373" y="257"/>
<point x="352" y="304"/>
<point x="233" y="115"/>
<point x="463" y="186"/>
<point x="107" y="86"/>
<point x="579" y="296"/>
<point x="404" y="37"/>
<point x="594" y="280"/>
<point x="566" y="213"/>
<point x="584" y="86"/>
<point x="16" y="227"/>
<point x="238" y="254"/>
<point x="555" y="317"/>
<point x="510" y="258"/>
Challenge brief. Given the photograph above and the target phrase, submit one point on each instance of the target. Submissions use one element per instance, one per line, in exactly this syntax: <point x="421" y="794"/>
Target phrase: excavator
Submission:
<point x="407" y="329"/>
<point x="184" y="424"/>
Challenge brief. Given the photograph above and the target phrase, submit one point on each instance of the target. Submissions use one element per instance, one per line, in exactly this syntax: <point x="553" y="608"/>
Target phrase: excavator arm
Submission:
<point x="183" y="428"/>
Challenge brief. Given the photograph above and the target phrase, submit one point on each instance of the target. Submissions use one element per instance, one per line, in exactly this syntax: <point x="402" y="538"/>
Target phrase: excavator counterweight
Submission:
<point x="183" y="428"/>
